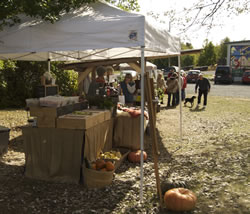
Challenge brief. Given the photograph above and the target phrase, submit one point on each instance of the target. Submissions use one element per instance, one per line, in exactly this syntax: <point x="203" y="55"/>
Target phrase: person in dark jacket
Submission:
<point x="204" y="87"/>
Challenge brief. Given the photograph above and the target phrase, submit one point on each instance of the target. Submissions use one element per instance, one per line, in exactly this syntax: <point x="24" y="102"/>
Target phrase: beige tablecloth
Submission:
<point x="53" y="154"/>
<point x="127" y="131"/>
<point x="98" y="138"/>
<point x="57" y="154"/>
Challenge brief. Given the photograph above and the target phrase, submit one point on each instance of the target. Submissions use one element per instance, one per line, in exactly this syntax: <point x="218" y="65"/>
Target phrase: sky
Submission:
<point x="235" y="27"/>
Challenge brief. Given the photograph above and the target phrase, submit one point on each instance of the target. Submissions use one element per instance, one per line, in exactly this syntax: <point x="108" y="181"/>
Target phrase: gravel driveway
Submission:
<point x="232" y="90"/>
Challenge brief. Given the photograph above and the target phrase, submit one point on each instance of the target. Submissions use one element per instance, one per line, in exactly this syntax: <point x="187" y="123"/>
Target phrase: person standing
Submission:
<point x="161" y="87"/>
<point x="184" y="86"/>
<point x="128" y="89"/>
<point x="204" y="87"/>
<point x="172" y="88"/>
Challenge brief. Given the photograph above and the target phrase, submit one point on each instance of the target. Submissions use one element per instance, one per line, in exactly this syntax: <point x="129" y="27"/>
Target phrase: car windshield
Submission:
<point x="132" y="72"/>
<point x="192" y="72"/>
<point x="222" y="70"/>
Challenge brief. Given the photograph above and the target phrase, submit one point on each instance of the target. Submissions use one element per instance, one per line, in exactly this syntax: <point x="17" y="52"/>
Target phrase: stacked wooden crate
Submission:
<point x="84" y="119"/>
<point x="47" y="116"/>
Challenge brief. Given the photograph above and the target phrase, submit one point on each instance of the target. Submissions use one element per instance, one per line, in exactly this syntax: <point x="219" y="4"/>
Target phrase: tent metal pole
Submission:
<point x="180" y="100"/>
<point x="49" y="65"/>
<point x="142" y="122"/>
<point x="49" y="62"/>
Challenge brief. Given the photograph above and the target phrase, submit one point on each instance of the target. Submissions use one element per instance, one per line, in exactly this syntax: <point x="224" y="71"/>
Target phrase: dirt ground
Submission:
<point x="212" y="160"/>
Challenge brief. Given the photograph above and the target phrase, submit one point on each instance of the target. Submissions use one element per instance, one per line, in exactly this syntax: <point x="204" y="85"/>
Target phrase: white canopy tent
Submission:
<point x="149" y="66"/>
<point x="93" y="32"/>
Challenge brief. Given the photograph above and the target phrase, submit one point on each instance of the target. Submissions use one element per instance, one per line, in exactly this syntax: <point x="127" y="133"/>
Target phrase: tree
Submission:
<point x="222" y="52"/>
<point x="207" y="56"/>
<point x="49" y="10"/>
<point x="205" y="13"/>
<point x="187" y="60"/>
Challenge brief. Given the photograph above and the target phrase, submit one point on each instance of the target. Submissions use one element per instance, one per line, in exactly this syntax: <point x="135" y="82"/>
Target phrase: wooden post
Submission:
<point x="152" y="123"/>
<point x="81" y="76"/>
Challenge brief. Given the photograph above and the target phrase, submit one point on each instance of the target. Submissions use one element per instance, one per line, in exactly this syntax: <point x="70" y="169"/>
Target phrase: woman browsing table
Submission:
<point x="128" y="89"/>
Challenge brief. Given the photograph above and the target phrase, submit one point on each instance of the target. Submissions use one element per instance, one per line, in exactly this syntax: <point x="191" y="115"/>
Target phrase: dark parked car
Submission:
<point x="193" y="76"/>
<point x="223" y="74"/>
<point x="246" y="77"/>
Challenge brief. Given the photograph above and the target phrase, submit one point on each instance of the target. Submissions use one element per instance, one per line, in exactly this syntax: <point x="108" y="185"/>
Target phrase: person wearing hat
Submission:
<point x="172" y="88"/>
<point x="204" y="87"/>
<point x="97" y="86"/>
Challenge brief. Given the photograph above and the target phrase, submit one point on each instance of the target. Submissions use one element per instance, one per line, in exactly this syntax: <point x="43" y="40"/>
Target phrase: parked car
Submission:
<point x="223" y="74"/>
<point x="246" y="77"/>
<point x="193" y="76"/>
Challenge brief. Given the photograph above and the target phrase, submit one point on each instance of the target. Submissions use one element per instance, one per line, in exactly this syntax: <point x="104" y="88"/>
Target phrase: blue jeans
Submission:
<point x="183" y="94"/>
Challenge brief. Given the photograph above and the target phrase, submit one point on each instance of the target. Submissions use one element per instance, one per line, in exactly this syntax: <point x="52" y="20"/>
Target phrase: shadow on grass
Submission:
<point x="197" y="109"/>
<point x="15" y="187"/>
<point x="16" y="144"/>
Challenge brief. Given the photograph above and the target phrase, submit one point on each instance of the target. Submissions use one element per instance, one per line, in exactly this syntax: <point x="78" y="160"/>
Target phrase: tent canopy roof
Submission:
<point x="95" y="31"/>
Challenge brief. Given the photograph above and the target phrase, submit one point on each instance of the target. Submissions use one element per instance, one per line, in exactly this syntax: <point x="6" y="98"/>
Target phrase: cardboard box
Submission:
<point x="78" y="121"/>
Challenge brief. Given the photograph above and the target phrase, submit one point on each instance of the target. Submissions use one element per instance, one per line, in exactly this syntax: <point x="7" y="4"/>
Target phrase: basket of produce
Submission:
<point x="98" y="174"/>
<point x="116" y="156"/>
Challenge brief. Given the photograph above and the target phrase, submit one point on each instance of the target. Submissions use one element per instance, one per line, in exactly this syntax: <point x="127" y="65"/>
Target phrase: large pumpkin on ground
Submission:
<point x="180" y="199"/>
<point x="135" y="156"/>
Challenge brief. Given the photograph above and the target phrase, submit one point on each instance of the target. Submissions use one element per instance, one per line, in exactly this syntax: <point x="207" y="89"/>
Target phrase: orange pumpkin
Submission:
<point x="104" y="169"/>
<point x="135" y="156"/>
<point x="180" y="199"/>
<point x="93" y="166"/>
<point x="110" y="166"/>
<point x="100" y="164"/>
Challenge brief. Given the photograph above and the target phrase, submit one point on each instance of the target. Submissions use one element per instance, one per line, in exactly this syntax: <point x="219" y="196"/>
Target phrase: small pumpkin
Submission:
<point x="93" y="166"/>
<point x="135" y="156"/>
<point x="104" y="170"/>
<point x="110" y="166"/>
<point x="100" y="164"/>
<point x="180" y="199"/>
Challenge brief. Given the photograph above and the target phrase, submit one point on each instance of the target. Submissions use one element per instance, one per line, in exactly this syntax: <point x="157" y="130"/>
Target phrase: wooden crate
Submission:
<point x="56" y="111"/>
<point x="107" y="113"/>
<point x="46" y="122"/>
<point x="76" y="121"/>
<point x="46" y="116"/>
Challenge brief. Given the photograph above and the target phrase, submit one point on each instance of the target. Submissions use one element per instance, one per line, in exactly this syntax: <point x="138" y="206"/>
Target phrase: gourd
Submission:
<point x="180" y="199"/>
<point x="110" y="166"/>
<point x="100" y="164"/>
<point x="135" y="156"/>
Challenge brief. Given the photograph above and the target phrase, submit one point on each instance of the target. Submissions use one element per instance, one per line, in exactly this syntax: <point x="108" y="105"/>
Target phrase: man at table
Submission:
<point x="128" y="89"/>
<point x="97" y="86"/>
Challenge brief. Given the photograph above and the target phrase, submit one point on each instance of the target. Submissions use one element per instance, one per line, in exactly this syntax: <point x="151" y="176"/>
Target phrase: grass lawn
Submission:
<point x="212" y="160"/>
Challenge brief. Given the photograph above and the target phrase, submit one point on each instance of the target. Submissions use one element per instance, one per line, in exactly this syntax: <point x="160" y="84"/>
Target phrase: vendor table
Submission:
<point x="57" y="154"/>
<point x="127" y="131"/>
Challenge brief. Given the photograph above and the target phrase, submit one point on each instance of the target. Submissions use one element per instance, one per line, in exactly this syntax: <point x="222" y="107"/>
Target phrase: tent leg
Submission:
<point x="180" y="101"/>
<point x="142" y="122"/>
<point x="49" y="62"/>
